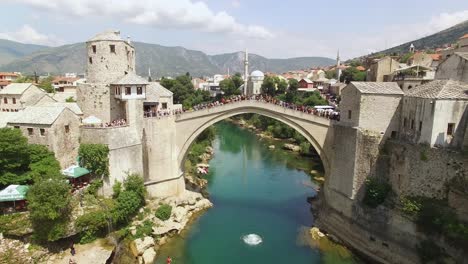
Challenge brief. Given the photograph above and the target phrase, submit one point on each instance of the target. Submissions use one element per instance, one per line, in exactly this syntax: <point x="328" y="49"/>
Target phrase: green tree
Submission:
<point x="14" y="156"/>
<point x="269" y="85"/>
<point x="237" y="79"/>
<point x="281" y="86"/>
<point x="43" y="164"/>
<point x="353" y="74"/>
<point x="228" y="86"/>
<point x="95" y="157"/>
<point x="134" y="183"/>
<point x="49" y="207"/>
<point x="293" y="85"/>
<point x="25" y="79"/>
<point x="127" y="205"/>
<point x="331" y="74"/>
<point x="46" y="84"/>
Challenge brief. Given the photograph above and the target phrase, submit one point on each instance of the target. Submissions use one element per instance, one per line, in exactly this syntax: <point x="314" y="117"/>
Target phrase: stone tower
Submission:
<point x="246" y="70"/>
<point x="109" y="58"/>
<point x="338" y="64"/>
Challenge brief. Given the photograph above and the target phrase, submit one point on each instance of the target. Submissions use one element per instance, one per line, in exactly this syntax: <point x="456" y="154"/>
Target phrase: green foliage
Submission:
<point x="406" y="57"/>
<point x="43" y="164"/>
<point x="237" y="79"/>
<point x="14" y="156"/>
<point x="116" y="190"/>
<point x="95" y="157"/>
<point x="353" y="74"/>
<point x="293" y="85"/>
<point x="24" y="79"/>
<point x="15" y="224"/>
<point x="90" y="225"/>
<point x="127" y="205"/>
<point x="46" y="84"/>
<point x="184" y="92"/>
<point x="411" y="205"/>
<point x="376" y="192"/>
<point x="310" y="99"/>
<point x="163" y="212"/>
<point x="134" y="183"/>
<point x="199" y="146"/>
<point x="146" y="229"/>
<point x="228" y="86"/>
<point x="423" y="155"/>
<point x="70" y="100"/>
<point x="49" y="207"/>
<point x="331" y="74"/>
<point x="94" y="187"/>
<point x="269" y="85"/>
<point x="305" y="148"/>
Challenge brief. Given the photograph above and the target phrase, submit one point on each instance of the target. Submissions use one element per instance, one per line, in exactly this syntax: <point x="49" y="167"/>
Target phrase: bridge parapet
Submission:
<point x="280" y="110"/>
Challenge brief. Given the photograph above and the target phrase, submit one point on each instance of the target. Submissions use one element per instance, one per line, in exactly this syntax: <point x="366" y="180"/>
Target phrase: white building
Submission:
<point x="436" y="113"/>
<point x="254" y="85"/>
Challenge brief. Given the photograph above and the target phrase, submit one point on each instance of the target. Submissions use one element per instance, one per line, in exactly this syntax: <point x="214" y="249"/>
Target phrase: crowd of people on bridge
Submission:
<point x="328" y="113"/>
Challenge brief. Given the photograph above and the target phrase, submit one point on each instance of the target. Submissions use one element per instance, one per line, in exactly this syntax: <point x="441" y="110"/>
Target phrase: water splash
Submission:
<point x="252" y="239"/>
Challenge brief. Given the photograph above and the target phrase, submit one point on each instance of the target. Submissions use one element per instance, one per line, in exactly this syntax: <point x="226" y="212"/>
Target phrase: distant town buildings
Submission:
<point x="7" y="77"/>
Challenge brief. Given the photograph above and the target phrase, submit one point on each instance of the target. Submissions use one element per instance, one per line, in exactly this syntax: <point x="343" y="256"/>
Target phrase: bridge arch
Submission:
<point x="314" y="129"/>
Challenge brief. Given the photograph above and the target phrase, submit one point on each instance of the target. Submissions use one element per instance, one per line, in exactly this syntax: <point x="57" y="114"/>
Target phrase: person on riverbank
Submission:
<point x="72" y="249"/>
<point x="169" y="260"/>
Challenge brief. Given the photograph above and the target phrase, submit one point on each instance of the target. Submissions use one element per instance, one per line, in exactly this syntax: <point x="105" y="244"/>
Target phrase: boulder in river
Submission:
<point x="271" y="147"/>
<point x="292" y="147"/>
<point x="149" y="256"/>
<point x="141" y="244"/>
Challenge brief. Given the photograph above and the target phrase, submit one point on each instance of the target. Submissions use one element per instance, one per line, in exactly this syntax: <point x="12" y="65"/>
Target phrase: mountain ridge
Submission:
<point x="163" y="61"/>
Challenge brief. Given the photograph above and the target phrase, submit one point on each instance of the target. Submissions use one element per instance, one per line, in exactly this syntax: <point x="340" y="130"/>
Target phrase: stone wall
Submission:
<point x="418" y="170"/>
<point x="125" y="151"/>
<point x="163" y="176"/>
<point x="454" y="68"/>
<point x="98" y="100"/>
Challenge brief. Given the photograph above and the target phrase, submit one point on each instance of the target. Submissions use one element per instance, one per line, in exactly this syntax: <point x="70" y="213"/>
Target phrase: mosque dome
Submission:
<point x="257" y="74"/>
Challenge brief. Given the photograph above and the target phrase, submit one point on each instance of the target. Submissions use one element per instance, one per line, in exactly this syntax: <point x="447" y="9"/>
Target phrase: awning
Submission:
<point x="14" y="193"/>
<point x="75" y="171"/>
<point x="92" y="120"/>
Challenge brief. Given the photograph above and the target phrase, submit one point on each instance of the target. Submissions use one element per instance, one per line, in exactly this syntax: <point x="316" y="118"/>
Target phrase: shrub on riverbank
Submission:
<point x="376" y="192"/>
<point x="164" y="212"/>
<point x="95" y="157"/>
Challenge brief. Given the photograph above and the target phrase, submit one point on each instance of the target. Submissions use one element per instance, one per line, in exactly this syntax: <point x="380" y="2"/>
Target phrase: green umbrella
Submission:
<point x="14" y="193"/>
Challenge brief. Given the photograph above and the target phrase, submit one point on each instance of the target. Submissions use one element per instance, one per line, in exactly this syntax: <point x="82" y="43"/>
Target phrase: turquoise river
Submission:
<point x="258" y="191"/>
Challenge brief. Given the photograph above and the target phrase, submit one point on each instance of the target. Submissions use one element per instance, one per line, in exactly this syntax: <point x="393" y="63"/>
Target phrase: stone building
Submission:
<point x="372" y="106"/>
<point x="109" y="59"/>
<point x="17" y="96"/>
<point x="425" y="60"/>
<point x="461" y="46"/>
<point x="158" y="98"/>
<point x="454" y="67"/>
<point x="254" y="85"/>
<point x="56" y="127"/>
<point x="7" y="78"/>
<point x="436" y="113"/>
<point x="381" y="68"/>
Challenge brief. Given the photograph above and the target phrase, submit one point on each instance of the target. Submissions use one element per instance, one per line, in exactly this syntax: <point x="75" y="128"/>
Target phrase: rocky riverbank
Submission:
<point x="184" y="206"/>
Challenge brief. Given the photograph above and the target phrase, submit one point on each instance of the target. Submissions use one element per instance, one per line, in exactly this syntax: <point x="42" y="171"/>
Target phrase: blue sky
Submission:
<point x="275" y="29"/>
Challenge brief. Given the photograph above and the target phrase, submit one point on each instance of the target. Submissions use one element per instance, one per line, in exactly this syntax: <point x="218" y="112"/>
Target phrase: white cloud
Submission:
<point x="235" y="3"/>
<point x="182" y="14"/>
<point x="27" y="34"/>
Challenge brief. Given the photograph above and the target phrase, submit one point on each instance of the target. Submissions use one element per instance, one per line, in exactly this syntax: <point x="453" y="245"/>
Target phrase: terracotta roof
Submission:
<point x="360" y="68"/>
<point x="441" y="89"/>
<point x="436" y="57"/>
<point x="306" y="80"/>
<point x="378" y="87"/>
<point x="8" y="74"/>
<point x="464" y="36"/>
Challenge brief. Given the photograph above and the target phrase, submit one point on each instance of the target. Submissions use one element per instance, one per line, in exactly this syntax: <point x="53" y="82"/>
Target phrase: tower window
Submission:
<point x="349" y="114"/>
<point x="139" y="90"/>
<point x="90" y="60"/>
<point x="412" y="123"/>
<point x="112" y="48"/>
<point x="420" y="126"/>
<point x="94" y="49"/>
<point x="42" y="130"/>
<point x="30" y="131"/>
<point x="67" y="128"/>
<point x="405" y="122"/>
<point x="450" y="128"/>
<point x="128" y="90"/>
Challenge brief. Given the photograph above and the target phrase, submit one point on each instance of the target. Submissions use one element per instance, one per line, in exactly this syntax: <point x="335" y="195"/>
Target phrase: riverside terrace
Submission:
<point x="325" y="112"/>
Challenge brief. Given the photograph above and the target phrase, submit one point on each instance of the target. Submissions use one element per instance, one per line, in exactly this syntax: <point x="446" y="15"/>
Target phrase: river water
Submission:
<point x="257" y="191"/>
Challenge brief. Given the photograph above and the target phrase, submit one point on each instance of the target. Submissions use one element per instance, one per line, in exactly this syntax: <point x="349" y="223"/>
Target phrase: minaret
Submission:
<point x="246" y="71"/>
<point x="149" y="75"/>
<point x="338" y="64"/>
